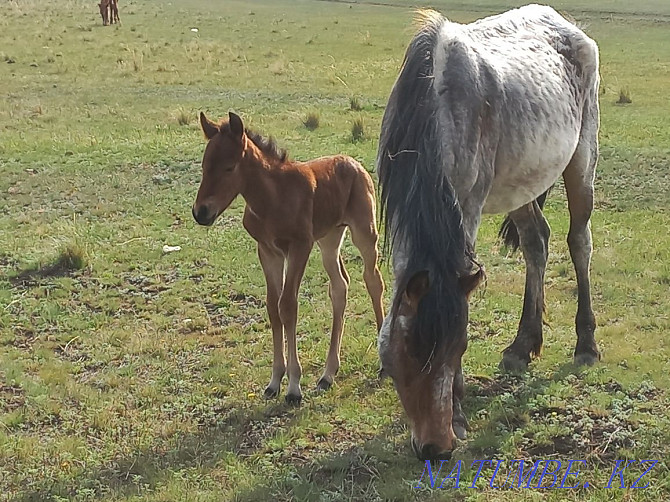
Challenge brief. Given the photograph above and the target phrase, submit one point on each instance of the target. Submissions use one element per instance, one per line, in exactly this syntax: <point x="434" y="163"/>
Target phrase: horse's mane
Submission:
<point x="267" y="145"/>
<point x="421" y="214"/>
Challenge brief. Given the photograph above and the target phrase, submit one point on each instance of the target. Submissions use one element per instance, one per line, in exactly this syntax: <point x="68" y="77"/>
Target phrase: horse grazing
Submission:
<point x="290" y="206"/>
<point x="483" y="118"/>
<point x="109" y="11"/>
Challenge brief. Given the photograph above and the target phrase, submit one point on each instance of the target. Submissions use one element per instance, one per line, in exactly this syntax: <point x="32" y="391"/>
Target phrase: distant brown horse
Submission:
<point x="290" y="206"/>
<point x="109" y="11"/>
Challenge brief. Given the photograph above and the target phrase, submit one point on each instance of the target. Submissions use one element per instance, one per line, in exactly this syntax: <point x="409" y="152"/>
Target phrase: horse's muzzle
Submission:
<point x="430" y="452"/>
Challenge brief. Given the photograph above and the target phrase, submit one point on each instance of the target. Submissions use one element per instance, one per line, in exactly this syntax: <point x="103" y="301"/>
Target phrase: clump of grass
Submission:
<point x="138" y="61"/>
<point x="358" y="130"/>
<point x="311" y="121"/>
<point x="183" y="117"/>
<point x="355" y="104"/>
<point x="624" y="97"/>
<point x="71" y="257"/>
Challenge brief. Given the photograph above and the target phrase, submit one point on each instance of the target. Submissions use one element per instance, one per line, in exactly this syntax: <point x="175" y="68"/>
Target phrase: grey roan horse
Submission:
<point x="483" y="118"/>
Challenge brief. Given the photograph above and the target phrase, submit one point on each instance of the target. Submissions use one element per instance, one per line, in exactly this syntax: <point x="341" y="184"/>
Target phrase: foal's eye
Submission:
<point x="228" y="169"/>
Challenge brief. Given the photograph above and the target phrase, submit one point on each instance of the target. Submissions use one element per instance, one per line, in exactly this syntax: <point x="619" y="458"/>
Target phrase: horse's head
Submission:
<point x="422" y="367"/>
<point x="221" y="179"/>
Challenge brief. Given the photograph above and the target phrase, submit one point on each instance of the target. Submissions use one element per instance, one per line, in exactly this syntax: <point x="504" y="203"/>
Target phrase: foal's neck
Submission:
<point x="258" y="189"/>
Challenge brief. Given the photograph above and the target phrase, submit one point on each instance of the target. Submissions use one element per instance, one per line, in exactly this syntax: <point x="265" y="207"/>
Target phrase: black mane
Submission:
<point x="267" y="145"/>
<point x="420" y="211"/>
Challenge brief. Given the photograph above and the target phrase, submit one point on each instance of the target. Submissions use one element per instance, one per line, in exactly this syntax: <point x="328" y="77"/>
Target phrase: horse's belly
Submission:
<point x="522" y="175"/>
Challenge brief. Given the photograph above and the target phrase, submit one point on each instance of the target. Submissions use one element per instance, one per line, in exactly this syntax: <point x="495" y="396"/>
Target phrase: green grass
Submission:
<point x="129" y="374"/>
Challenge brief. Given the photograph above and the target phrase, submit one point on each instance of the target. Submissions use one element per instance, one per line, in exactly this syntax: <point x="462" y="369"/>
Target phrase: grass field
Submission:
<point x="129" y="374"/>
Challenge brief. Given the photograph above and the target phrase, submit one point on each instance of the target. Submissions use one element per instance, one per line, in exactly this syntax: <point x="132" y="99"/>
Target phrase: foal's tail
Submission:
<point x="508" y="232"/>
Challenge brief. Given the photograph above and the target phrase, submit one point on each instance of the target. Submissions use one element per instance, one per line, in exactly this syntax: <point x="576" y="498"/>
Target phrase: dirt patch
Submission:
<point x="11" y="398"/>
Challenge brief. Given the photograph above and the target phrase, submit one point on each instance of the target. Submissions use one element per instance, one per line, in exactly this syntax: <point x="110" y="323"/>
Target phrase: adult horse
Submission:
<point x="109" y="11"/>
<point x="483" y="118"/>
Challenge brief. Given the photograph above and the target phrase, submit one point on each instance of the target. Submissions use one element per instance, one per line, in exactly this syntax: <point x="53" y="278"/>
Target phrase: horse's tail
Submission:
<point x="508" y="232"/>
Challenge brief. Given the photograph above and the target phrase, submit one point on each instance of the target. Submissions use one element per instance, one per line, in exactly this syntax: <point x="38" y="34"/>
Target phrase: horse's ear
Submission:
<point x="469" y="282"/>
<point x="208" y="127"/>
<point x="236" y="125"/>
<point x="416" y="289"/>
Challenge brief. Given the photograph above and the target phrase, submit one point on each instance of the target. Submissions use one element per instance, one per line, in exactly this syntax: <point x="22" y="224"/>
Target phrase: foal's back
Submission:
<point x="336" y="187"/>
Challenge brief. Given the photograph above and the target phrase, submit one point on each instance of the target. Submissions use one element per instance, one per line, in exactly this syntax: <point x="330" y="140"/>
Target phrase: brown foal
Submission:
<point x="290" y="206"/>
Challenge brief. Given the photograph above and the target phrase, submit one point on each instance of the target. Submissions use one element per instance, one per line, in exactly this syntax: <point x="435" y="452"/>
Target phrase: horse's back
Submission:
<point x="513" y="88"/>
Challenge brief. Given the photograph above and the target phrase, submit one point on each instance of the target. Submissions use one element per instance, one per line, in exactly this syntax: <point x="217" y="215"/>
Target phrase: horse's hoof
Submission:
<point x="293" y="399"/>
<point x="270" y="393"/>
<point x="513" y="363"/>
<point x="460" y="431"/>
<point x="586" y="359"/>
<point x="323" y="384"/>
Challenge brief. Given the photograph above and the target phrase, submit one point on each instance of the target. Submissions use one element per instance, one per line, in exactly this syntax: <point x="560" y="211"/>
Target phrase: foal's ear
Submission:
<point x="236" y="125"/>
<point x="416" y="289"/>
<point x="208" y="127"/>
<point x="469" y="282"/>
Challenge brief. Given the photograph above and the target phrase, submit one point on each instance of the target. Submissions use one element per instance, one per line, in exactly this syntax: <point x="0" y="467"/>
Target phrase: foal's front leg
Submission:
<point x="288" y="312"/>
<point x="272" y="262"/>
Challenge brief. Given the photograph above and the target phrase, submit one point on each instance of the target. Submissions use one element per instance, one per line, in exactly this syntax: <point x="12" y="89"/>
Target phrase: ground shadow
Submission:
<point x="364" y="469"/>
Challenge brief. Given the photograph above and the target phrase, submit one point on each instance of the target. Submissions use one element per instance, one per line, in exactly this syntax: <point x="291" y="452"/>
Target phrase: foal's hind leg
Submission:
<point x="578" y="177"/>
<point x="339" y="285"/>
<point x="534" y="239"/>
<point x="272" y="262"/>
<point x="364" y="236"/>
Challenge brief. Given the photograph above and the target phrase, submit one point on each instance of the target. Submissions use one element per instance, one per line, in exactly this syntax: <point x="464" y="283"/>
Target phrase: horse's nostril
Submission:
<point x="432" y="452"/>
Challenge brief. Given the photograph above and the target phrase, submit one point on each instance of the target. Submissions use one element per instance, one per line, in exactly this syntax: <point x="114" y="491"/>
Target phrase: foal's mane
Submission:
<point x="267" y="145"/>
<point x="422" y="216"/>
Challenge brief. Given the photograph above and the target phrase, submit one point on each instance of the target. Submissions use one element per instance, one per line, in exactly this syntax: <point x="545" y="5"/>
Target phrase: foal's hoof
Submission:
<point x="270" y="393"/>
<point x="513" y="363"/>
<point x="293" y="399"/>
<point x="323" y="384"/>
<point x="586" y="359"/>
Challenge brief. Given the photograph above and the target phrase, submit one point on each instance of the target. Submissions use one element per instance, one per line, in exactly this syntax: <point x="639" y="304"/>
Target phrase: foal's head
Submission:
<point x="421" y="343"/>
<point x="221" y="180"/>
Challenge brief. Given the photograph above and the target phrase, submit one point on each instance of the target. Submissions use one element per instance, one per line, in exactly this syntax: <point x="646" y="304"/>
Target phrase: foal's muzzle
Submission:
<point x="203" y="216"/>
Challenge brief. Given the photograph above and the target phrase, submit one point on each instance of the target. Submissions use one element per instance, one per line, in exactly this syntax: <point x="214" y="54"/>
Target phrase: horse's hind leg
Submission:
<point x="272" y="262"/>
<point x="339" y="285"/>
<point x="578" y="178"/>
<point x="534" y="239"/>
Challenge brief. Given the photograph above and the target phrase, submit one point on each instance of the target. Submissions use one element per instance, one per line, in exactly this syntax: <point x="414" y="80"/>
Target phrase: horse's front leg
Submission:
<point x="272" y="262"/>
<point x="458" y="420"/>
<point x="534" y="240"/>
<point x="298" y="255"/>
